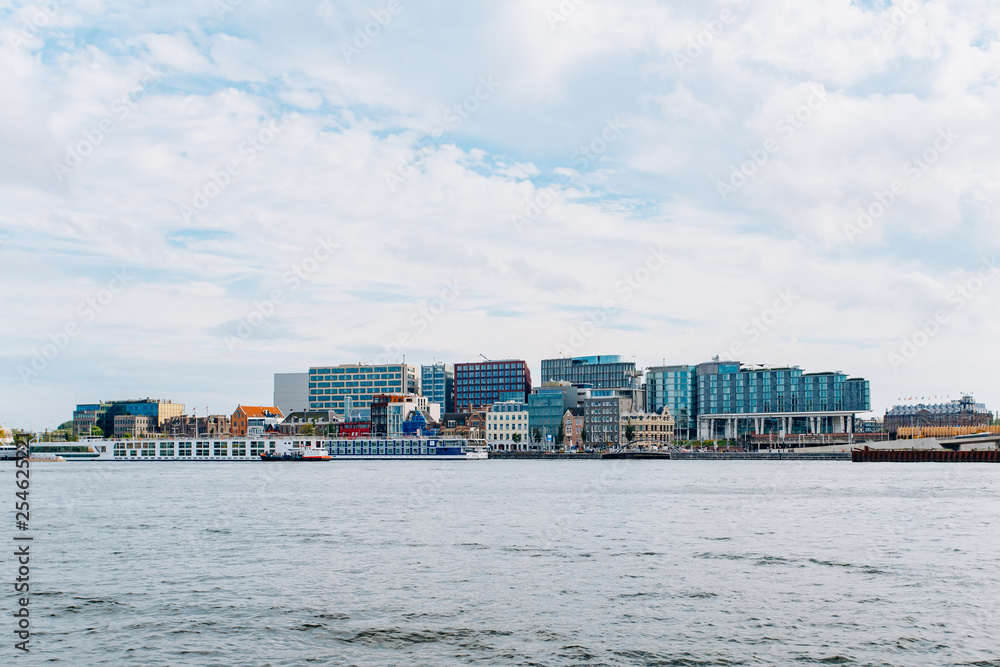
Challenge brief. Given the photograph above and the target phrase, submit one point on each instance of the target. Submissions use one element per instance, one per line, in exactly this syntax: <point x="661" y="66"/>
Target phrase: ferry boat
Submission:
<point x="251" y="448"/>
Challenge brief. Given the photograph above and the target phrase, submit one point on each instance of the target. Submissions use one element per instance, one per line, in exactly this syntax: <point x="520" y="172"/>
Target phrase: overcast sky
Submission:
<point x="197" y="195"/>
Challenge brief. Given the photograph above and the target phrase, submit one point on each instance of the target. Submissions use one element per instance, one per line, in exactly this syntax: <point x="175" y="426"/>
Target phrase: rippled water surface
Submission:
<point x="513" y="563"/>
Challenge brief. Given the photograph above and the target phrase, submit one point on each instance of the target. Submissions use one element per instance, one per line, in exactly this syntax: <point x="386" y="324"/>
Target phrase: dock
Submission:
<point x="924" y="456"/>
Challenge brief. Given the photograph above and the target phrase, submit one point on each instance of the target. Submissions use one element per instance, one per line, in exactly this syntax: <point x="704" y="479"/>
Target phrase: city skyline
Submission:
<point x="198" y="196"/>
<point x="875" y="412"/>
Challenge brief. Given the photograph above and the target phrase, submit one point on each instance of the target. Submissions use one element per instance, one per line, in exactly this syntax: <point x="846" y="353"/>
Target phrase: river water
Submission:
<point x="512" y="563"/>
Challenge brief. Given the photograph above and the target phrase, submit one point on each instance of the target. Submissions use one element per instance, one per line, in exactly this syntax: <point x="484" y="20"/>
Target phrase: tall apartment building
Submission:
<point x="600" y="372"/>
<point x="330" y="386"/>
<point x="437" y="383"/>
<point x="734" y="399"/>
<point x="675" y="388"/>
<point x="602" y="420"/>
<point x="485" y="383"/>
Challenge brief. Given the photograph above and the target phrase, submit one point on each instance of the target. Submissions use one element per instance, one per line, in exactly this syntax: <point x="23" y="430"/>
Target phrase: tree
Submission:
<point x="96" y="430"/>
<point x="516" y="437"/>
<point x="629" y="432"/>
<point x="583" y="435"/>
<point x="562" y="434"/>
<point x="307" y="429"/>
<point x="536" y="435"/>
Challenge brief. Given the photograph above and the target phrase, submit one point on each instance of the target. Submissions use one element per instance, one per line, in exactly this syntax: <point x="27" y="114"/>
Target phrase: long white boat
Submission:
<point x="252" y="448"/>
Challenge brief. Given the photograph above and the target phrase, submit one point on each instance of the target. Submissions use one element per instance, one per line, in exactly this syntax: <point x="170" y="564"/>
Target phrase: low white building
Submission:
<point x="507" y="427"/>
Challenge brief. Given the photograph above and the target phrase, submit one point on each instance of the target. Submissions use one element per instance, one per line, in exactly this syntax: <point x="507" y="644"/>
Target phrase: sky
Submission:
<point x="196" y="195"/>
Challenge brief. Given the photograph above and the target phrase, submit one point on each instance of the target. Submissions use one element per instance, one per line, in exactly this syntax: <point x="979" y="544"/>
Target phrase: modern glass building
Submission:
<point x="675" y="388"/>
<point x="437" y="383"/>
<point x="330" y="386"/>
<point x="600" y="372"/>
<point x="485" y="383"/>
<point x="546" y="407"/>
<point x="103" y="414"/>
<point x="733" y="399"/>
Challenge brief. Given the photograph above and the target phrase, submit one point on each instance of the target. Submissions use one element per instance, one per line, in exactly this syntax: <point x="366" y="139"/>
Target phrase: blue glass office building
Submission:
<point x="675" y="388"/>
<point x="607" y="371"/>
<point x="733" y="399"/>
<point x="437" y="383"/>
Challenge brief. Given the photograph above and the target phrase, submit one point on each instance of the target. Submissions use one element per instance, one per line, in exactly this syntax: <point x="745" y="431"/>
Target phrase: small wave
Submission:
<point x="681" y="660"/>
<point x="832" y="660"/>
<point x="397" y="638"/>
<point x="308" y="626"/>
<point x="829" y="563"/>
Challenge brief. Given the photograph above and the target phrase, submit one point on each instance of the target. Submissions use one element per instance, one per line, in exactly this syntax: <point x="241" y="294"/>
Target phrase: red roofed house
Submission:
<point x="255" y="420"/>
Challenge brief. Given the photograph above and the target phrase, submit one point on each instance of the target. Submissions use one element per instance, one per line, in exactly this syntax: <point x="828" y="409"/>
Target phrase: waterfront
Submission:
<point x="515" y="562"/>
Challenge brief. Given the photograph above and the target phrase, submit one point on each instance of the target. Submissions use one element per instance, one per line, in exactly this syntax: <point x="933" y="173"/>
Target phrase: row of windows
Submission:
<point x="493" y="367"/>
<point x="356" y="369"/>
<point x="185" y="449"/>
<point x="361" y="383"/>
<point x="356" y="378"/>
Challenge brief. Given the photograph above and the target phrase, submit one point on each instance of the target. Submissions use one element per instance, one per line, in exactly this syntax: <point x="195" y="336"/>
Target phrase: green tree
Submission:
<point x="516" y="437"/>
<point x="583" y="435"/>
<point x="536" y="435"/>
<point x="629" y="431"/>
<point x="562" y="434"/>
<point x="307" y="429"/>
<point x="96" y="430"/>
